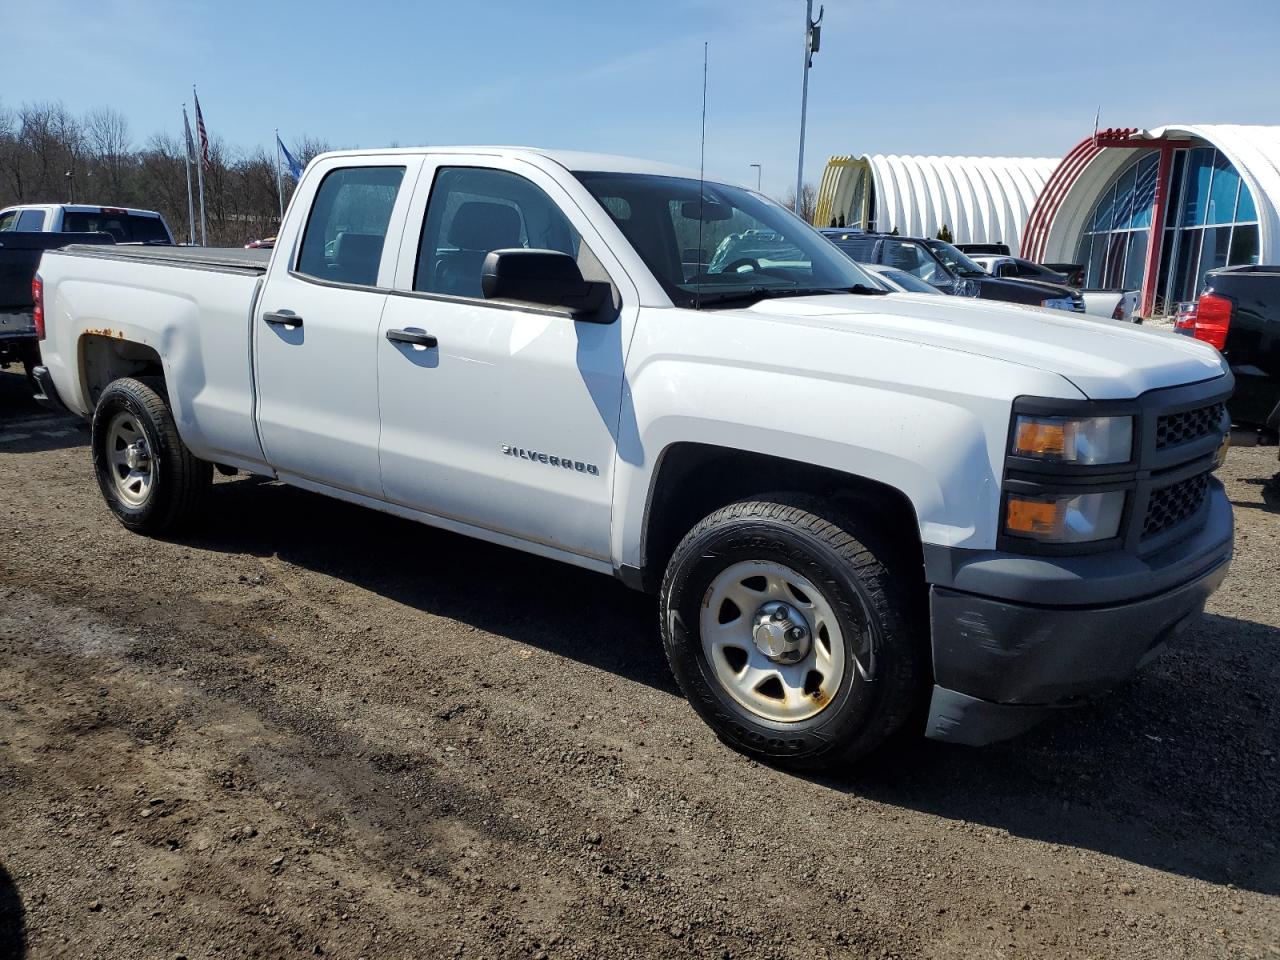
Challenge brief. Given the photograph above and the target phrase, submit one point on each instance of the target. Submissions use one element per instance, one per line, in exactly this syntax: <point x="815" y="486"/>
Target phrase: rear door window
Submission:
<point x="348" y="225"/>
<point x="8" y="221"/>
<point x="32" y="220"/>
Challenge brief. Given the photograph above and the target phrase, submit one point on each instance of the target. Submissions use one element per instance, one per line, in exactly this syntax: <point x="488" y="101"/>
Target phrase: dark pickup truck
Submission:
<point x="942" y="265"/>
<point x="20" y="253"/>
<point x="1239" y="313"/>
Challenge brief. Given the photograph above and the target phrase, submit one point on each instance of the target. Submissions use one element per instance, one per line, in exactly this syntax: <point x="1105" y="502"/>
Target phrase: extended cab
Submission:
<point x="861" y="512"/>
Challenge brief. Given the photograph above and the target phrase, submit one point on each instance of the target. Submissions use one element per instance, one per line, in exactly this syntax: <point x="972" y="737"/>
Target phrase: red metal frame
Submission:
<point x="1059" y="184"/>
<point x="1155" y="243"/>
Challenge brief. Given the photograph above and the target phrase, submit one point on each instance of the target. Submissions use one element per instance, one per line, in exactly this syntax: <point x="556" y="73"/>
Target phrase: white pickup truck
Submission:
<point x="864" y="513"/>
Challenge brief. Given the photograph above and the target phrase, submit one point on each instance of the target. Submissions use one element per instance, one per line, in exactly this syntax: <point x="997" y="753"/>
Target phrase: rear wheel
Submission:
<point x="150" y="480"/>
<point x="792" y="629"/>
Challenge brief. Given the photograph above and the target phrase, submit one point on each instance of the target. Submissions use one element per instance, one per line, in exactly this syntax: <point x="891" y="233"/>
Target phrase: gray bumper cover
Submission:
<point x="1001" y="664"/>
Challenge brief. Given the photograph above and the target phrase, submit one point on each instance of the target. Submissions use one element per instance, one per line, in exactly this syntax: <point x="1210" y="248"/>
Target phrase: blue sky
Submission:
<point x="1020" y="77"/>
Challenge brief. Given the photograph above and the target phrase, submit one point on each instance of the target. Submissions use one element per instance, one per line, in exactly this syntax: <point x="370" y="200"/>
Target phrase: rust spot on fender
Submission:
<point x="104" y="332"/>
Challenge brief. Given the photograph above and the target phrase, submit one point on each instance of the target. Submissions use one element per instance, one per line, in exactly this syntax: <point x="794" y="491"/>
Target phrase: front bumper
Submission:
<point x="1052" y="632"/>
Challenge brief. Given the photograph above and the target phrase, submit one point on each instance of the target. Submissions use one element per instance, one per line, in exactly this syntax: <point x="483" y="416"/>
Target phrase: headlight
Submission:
<point x="1065" y="518"/>
<point x="1058" y="303"/>
<point x="1079" y="440"/>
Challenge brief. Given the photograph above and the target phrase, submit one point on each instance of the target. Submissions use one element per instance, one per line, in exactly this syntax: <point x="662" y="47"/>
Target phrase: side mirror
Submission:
<point x="1007" y="270"/>
<point x="545" y="277"/>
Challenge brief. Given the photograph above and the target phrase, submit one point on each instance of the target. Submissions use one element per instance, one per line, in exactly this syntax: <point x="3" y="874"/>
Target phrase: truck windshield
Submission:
<point x="954" y="260"/>
<point x="124" y="227"/>
<point x="728" y="247"/>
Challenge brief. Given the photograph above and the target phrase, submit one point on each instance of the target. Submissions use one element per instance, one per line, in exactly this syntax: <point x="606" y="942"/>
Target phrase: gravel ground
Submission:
<point x="315" y="730"/>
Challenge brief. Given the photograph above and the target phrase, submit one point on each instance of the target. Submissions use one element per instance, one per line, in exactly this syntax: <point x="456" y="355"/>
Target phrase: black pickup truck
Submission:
<point x="942" y="265"/>
<point x="20" y="253"/>
<point x="1239" y="313"/>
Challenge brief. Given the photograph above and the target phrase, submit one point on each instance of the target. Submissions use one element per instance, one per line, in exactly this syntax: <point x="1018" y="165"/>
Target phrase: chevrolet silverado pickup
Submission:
<point x="863" y="513"/>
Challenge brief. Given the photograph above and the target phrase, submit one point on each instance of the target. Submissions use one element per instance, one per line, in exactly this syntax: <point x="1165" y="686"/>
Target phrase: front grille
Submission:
<point x="1170" y="505"/>
<point x="1175" y="429"/>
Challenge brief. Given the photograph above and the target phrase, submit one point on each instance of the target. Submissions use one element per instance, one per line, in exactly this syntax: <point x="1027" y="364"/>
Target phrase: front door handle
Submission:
<point x="415" y="337"/>
<point x="283" y="319"/>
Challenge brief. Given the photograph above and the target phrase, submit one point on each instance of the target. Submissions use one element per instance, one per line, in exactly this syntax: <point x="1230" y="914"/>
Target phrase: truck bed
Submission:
<point x="220" y="259"/>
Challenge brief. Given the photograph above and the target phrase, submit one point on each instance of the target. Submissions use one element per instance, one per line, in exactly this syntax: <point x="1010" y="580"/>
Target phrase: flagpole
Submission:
<point x="191" y="204"/>
<point x="279" y="183"/>
<point x="204" y="224"/>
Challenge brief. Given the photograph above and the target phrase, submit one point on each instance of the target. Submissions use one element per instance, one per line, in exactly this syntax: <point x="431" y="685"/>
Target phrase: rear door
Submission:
<point x="508" y="419"/>
<point x="316" y="322"/>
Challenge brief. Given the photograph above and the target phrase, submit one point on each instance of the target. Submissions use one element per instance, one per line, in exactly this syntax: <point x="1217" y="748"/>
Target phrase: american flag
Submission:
<point x="202" y="133"/>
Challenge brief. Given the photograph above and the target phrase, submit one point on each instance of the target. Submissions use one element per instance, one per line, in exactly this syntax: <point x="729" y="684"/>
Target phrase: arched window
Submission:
<point x="1212" y="222"/>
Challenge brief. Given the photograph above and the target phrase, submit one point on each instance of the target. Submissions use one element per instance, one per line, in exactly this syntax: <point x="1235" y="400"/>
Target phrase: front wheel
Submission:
<point x="792" y="630"/>
<point x="150" y="480"/>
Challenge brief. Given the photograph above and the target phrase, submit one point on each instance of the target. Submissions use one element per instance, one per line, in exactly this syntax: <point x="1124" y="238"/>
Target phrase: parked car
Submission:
<point x="124" y="224"/>
<point x="996" y="249"/>
<point x="856" y="509"/>
<point x="1239" y="313"/>
<point x="1113" y="304"/>
<point x="899" y="281"/>
<point x="20" y="252"/>
<point x="942" y="265"/>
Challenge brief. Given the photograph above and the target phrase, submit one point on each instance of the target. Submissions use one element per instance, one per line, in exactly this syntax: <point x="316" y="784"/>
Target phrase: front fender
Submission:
<point x="934" y="432"/>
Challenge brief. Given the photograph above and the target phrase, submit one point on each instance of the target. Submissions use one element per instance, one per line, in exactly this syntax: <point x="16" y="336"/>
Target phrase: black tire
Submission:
<point x="181" y="481"/>
<point x="877" y="601"/>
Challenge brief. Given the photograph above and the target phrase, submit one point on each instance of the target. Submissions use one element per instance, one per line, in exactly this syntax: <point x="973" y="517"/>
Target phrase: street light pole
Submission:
<point x="757" y="166"/>
<point x="812" y="40"/>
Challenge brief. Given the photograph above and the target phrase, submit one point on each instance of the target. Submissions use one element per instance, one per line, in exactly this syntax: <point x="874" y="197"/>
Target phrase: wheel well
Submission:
<point x="696" y="479"/>
<point x="104" y="358"/>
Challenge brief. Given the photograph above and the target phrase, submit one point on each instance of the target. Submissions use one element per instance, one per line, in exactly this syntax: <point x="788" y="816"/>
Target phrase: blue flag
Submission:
<point x="295" y="168"/>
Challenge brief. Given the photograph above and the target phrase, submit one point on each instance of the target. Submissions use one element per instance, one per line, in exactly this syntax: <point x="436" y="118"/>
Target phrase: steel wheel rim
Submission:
<point x="129" y="459"/>
<point x="772" y="690"/>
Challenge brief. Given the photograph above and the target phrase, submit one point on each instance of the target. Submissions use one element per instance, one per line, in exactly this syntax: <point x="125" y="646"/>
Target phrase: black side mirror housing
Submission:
<point x="1006" y="270"/>
<point x="545" y="277"/>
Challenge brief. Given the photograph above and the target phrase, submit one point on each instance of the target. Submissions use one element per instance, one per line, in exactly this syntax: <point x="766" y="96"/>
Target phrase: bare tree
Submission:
<point x="47" y="155"/>
<point x="808" y="201"/>
<point x="106" y="137"/>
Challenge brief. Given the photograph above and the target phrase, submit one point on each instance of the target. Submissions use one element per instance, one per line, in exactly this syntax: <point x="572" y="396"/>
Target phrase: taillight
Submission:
<point x="1118" y="312"/>
<point x="37" y="305"/>
<point x="1212" y="319"/>
<point x="1185" y="322"/>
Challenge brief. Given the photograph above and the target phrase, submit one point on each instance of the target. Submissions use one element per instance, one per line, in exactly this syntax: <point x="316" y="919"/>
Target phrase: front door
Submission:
<point x="915" y="259"/>
<point x="316" y="327"/>
<point x="500" y="415"/>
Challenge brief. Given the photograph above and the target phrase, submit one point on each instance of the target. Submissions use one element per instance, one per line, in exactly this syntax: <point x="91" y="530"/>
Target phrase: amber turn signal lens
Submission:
<point x="1041" y="438"/>
<point x="1085" y="441"/>
<point x="1036" y="518"/>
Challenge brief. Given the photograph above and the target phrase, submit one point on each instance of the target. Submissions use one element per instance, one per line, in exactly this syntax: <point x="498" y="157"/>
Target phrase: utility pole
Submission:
<point x="757" y="166"/>
<point x="812" y="40"/>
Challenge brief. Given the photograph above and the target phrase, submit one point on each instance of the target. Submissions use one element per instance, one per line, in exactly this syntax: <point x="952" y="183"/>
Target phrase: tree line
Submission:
<point x="50" y="155"/>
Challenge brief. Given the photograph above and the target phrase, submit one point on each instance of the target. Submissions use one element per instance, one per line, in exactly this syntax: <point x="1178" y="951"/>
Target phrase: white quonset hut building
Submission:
<point x="1209" y="194"/>
<point x="978" y="199"/>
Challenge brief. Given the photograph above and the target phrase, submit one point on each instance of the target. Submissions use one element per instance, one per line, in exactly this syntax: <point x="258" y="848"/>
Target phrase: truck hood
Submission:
<point x="1104" y="359"/>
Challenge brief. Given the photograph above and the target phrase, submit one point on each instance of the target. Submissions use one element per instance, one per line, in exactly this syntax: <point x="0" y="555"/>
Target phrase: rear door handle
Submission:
<point x="283" y="319"/>
<point x="415" y="337"/>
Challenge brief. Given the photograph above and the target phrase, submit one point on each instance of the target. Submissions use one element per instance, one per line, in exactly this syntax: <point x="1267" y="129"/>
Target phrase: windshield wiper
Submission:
<point x="754" y="294"/>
